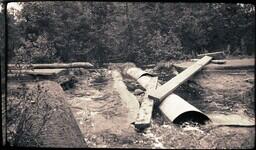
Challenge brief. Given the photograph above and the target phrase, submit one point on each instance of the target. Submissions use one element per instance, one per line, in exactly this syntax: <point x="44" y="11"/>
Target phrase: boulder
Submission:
<point x="138" y="92"/>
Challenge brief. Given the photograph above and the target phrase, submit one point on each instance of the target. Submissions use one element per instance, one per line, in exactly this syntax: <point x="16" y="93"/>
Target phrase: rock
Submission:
<point x="249" y="80"/>
<point x="84" y="71"/>
<point x="130" y="86"/>
<point x="138" y="86"/>
<point x="69" y="84"/>
<point x="138" y="92"/>
<point x="87" y="93"/>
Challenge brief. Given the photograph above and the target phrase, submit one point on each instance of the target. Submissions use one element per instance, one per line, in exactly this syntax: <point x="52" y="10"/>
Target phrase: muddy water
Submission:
<point x="104" y="109"/>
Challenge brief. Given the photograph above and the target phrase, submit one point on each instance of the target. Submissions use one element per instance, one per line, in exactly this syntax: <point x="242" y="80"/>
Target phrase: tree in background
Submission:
<point x="100" y="32"/>
<point x="2" y="49"/>
<point x="1" y="35"/>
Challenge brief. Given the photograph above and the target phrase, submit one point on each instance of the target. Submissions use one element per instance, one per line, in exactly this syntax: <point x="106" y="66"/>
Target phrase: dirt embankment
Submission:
<point x="38" y="116"/>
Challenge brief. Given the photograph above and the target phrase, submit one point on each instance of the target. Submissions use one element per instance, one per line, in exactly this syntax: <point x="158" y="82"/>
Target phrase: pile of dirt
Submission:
<point x="38" y="116"/>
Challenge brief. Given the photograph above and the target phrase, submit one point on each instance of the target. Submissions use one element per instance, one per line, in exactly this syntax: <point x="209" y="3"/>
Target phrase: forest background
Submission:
<point x="143" y="33"/>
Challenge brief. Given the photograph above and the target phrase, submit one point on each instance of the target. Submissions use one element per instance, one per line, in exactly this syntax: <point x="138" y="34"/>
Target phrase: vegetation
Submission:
<point x="99" y="32"/>
<point x="143" y="33"/>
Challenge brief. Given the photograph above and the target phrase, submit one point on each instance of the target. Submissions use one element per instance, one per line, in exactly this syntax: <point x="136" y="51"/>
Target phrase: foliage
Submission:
<point x="21" y="109"/>
<point x="2" y="47"/>
<point x="102" y="32"/>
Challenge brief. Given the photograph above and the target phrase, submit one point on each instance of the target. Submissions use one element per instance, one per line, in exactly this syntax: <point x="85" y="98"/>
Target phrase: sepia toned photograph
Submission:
<point x="146" y="75"/>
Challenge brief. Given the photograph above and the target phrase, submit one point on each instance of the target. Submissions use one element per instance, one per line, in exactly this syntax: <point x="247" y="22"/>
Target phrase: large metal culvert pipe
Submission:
<point x="136" y="73"/>
<point x="173" y="107"/>
<point x="177" y="110"/>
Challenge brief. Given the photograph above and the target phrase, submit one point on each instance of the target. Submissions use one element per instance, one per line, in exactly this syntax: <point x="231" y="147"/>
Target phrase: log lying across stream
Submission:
<point x="230" y="64"/>
<point x="50" y="66"/>
<point x="215" y="55"/>
<point x="35" y="72"/>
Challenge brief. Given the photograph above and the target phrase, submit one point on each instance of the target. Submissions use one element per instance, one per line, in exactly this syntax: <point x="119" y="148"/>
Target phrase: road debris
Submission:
<point x="178" y="110"/>
<point x="145" y="112"/>
<point x="144" y="119"/>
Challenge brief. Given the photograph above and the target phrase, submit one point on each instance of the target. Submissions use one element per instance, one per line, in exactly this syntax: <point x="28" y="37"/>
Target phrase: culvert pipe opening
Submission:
<point x="192" y="116"/>
<point x="178" y="110"/>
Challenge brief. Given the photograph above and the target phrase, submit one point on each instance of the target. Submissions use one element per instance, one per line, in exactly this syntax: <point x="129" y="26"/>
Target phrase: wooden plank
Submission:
<point x="212" y="61"/>
<point x="214" y="55"/>
<point x="166" y="89"/>
<point x="145" y="112"/>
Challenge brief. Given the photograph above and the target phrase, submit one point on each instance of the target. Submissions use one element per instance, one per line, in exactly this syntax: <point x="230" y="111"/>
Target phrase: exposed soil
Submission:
<point x="100" y="112"/>
<point x="227" y="92"/>
<point x="38" y="116"/>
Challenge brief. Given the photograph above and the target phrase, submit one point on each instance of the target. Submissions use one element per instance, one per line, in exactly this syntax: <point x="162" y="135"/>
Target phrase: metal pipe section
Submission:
<point x="178" y="110"/>
<point x="173" y="107"/>
<point x="136" y="73"/>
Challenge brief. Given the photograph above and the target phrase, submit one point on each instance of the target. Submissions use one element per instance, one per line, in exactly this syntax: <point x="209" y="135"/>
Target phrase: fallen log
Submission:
<point x="163" y="91"/>
<point x="214" y="55"/>
<point x="36" y="72"/>
<point x="231" y="64"/>
<point x="237" y="73"/>
<point x="50" y="66"/>
<point x="149" y="66"/>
